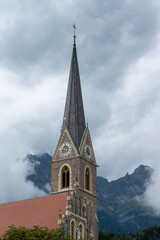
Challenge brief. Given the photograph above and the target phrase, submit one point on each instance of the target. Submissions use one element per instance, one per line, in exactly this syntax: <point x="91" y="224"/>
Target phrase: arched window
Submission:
<point x="66" y="226"/>
<point x="72" y="230"/>
<point x="65" y="177"/>
<point x="81" y="231"/>
<point x="87" y="179"/>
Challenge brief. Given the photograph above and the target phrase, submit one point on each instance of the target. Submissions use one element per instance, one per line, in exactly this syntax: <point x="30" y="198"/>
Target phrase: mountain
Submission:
<point x="119" y="207"/>
<point x="40" y="171"/>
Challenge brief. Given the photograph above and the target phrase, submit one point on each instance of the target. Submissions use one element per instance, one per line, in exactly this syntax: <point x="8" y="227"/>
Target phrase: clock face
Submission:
<point x="65" y="149"/>
<point x="88" y="151"/>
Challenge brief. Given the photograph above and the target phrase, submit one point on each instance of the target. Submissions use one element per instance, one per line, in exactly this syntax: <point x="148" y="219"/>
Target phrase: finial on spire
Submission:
<point x="74" y="26"/>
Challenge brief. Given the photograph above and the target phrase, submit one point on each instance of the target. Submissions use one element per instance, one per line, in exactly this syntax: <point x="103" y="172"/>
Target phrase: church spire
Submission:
<point x="74" y="118"/>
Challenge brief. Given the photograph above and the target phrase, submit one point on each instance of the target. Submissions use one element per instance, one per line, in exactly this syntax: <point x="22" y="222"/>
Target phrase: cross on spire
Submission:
<point x="74" y="26"/>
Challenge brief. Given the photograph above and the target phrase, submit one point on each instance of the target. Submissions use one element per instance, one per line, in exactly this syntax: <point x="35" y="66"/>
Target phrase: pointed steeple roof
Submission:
<point x="74" y="118"/>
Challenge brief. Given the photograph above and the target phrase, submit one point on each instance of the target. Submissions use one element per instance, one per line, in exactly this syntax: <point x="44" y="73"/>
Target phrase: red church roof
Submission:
<point x="42" y="211"/>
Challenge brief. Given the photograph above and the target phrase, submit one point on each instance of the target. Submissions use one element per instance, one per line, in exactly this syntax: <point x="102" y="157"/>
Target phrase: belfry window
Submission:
<point x="65" y="177"/>
<point x="87" y="179"/>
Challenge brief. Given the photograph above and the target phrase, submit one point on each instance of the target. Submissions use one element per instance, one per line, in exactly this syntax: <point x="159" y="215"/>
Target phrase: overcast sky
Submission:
<point x="118" y="45"/>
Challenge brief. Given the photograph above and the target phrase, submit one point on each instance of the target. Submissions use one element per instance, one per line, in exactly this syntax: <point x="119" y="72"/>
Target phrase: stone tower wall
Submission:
<point x="82" y="204"/>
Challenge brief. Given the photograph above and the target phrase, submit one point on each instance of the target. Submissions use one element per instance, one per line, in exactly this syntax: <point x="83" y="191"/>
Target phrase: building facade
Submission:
<point x="73" y="167"/>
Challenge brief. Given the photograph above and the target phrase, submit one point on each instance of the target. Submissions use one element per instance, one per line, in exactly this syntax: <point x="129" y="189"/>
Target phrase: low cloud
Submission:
<point x="13" y="185"/>
<point x="151" y="196"/>
<point x="131" y="135"/>
<point x="26" y="126"/>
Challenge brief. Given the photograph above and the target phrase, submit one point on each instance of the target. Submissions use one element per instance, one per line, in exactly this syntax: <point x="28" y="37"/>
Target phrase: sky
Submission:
<point x="118" y="46"/>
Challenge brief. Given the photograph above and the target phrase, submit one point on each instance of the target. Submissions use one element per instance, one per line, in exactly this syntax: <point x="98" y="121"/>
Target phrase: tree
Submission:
<point x="35" y="233"/>
<point x="151" y="233"/>
<point x="112" y="236"/>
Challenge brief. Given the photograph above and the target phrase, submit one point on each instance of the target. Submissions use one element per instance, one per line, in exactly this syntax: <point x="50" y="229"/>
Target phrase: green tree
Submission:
<point x="104" y="236"/>
<point x="112" y="236"/>
<point x="151" y="233"/>
<point x="35" y="233"/>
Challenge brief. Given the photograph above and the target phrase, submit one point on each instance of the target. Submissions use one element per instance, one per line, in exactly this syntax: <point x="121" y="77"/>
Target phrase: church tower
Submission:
<point x="74" y="164"/>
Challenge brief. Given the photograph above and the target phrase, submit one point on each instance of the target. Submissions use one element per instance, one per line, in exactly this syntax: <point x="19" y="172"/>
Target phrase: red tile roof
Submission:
<point x="42" y="211"/>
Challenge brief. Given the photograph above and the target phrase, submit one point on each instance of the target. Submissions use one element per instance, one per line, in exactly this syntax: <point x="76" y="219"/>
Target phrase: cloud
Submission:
<point x="151" y="196"/>
<point x="13" y="185"/>
<point x="26" y="126"/>
<point x="118" y="52"/>
<point x="131" y="134"/>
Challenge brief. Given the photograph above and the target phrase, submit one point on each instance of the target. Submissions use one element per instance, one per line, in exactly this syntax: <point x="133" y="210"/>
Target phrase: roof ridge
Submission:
<point x="33" y="199"/>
